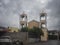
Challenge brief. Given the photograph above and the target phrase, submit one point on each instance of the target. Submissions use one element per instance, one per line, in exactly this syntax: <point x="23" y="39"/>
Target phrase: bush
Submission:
<point x="25" y="29"/>
<point x="33" y="31"/>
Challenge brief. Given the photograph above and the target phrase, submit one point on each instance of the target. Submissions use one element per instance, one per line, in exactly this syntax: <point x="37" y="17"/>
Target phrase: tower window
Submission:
<point x="43" y="25"/>
<point x="42" y="14"/>
<point x="43" y="18"/>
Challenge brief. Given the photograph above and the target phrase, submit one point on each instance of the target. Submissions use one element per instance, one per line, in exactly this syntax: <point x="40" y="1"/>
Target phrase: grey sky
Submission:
<point x="11" y="9"/>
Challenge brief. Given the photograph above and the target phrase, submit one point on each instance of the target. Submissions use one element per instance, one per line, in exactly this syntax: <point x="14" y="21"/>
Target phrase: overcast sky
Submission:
<point x="10" y="11"/>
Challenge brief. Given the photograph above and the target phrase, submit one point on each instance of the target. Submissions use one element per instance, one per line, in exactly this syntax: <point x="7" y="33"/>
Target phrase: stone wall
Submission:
<point x="21" y="36"/>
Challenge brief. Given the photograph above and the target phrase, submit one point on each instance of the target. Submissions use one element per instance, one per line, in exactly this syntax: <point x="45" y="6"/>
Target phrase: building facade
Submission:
<point x="13" y="29"/>
<point x="33" y="23"/>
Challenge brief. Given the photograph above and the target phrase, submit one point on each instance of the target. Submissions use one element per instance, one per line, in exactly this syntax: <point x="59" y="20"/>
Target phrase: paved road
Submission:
<point x="50" y="42"/>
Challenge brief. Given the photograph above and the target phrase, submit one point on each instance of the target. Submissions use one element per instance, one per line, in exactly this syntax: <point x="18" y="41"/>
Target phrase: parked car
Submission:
<point x="5" y="40"/>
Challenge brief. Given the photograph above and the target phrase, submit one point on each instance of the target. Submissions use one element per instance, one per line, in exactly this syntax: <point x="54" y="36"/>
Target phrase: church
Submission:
<point x="41" y="24"/>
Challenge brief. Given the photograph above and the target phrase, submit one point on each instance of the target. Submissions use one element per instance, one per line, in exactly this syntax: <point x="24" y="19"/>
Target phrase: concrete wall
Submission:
<point x="21" y="36"/>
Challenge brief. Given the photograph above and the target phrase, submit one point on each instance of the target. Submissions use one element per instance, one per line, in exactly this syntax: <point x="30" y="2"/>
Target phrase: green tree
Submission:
<point x="24" y="29"/>
<point x="36" y="31"/>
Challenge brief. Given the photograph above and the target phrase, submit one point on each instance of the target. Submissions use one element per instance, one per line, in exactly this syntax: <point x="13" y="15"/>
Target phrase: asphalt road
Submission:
<point x="50" y="42"/>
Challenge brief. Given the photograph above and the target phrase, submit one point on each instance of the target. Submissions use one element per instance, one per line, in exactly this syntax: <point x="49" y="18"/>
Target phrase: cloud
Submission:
<point x="11" y="9"/>
<point x="54" y="15"/>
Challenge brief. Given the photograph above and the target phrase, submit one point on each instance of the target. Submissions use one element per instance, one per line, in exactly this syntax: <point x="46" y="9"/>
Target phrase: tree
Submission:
<point x="33" y="31"/>
<point x="36" y="31"/>
<point x="24" y="29"/>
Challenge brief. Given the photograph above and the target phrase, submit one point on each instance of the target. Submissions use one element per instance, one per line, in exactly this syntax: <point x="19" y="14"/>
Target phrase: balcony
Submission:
<point x="43" y="21"/>
<point x="23" y="22"/>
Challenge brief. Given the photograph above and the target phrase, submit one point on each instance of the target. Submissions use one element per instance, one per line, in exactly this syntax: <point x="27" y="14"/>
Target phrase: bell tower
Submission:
<point x="43" y="19"/>
<point x="43" y="25"/>
<point x="23" y="20"/>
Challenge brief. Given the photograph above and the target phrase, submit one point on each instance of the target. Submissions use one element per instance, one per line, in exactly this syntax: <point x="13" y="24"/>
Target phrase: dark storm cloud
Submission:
<point x="54" y="15"/>
<point x="9" y="13"/>
<point x="11" y="9"/>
